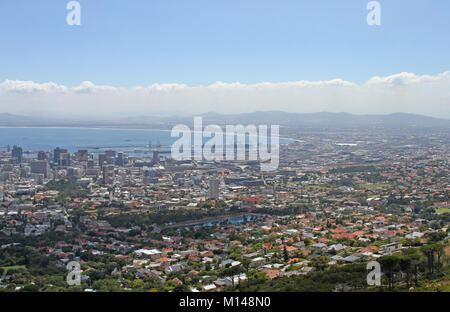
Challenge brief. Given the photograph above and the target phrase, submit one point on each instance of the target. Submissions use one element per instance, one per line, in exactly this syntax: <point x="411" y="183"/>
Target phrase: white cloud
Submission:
<point x="402" y="92"/>
<point x="405" y="79"/>
<point x="17" y="86"/>
<point x="89" y="87"/>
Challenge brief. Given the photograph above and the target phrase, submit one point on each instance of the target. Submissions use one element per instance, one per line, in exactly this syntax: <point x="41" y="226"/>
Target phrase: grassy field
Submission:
<point x="443" y="210"/>
<point x="14" y="267"/>
<point x="441" y="284"/>
<point x="308" y="188"/>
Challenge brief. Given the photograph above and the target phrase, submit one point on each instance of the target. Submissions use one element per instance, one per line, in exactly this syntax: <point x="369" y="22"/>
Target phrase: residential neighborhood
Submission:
<point x="149" y="223"/>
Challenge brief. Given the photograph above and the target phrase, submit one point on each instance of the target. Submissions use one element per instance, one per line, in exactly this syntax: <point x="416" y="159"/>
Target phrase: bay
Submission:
<point x="73" y="139"/>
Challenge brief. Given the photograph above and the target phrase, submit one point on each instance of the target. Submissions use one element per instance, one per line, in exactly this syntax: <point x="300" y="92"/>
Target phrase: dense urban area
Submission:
<point x="144" y="222"/>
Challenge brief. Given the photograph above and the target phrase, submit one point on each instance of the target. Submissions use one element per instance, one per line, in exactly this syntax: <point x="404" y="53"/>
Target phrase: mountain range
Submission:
<point x="320" y="120"/>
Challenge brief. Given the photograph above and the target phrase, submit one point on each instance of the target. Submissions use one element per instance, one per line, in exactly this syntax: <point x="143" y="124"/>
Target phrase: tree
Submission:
<point x="405" y="266"/>
<point x="285" y="254"/>
<point x="390" y="265"/>
<point x="428" y="251"/>
<point x="107" y="285"/>
<point x="414" y="259"/>
<point x="181" y="288"/>
<point x="246" y="265"/>
<point x="440" y="249"/>
<point x="436" y="236"/>
<point x="320" y="262"/>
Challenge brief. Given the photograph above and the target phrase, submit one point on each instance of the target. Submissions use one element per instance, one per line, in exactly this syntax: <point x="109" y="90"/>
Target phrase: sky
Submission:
<point x="227" y="56"/>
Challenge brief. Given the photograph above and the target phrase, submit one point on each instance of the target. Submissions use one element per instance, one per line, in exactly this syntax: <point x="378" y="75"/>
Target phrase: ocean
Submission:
<point x="73" y="139"/>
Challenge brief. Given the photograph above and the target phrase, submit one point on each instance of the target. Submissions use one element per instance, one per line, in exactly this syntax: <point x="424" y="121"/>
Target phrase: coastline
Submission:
<point x="115" y="129"/>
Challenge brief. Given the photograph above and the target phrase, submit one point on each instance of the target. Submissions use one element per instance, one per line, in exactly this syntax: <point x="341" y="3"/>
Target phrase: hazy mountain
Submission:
<point x="322" y="120"/>
<point x="327" y="120"/>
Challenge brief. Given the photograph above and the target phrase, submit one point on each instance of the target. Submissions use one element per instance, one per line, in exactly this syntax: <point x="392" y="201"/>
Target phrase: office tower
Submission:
<point x="61" y="154"/>
<point x="83" y="155"/>
<point x="108" y="174"/>
<point x="110" y="154"/>
<point x="17" y="153"/>
<point x="64" y="159"/>
<point x="42" y="155"/>
<point x="120" y="161"/>
<point x="213" y="188"/>
<point x="110" y="160"/>
<point x="40" y="167"/>
<point x="147" y="177"/>
<point x="101" y="160"/>
<point x="155" y="159"/>
<point x="56" y="152"/>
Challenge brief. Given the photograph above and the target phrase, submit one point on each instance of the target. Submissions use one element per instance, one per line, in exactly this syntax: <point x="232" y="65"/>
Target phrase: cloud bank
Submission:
<point x="402" y="92"/>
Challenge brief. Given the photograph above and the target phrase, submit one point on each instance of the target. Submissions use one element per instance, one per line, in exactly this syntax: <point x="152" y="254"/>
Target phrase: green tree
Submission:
<point x="389" y="266"/>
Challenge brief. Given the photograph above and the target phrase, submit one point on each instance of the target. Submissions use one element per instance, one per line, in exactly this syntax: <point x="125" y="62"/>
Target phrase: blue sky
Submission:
<point x="197" y="42"/>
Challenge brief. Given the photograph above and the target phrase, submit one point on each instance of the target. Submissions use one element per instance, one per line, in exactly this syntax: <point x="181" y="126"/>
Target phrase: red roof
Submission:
<point x="253" y="199"/>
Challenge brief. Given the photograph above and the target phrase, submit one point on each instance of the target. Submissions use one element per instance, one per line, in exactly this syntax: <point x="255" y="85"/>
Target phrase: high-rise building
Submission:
<point x="61" y="157"/>
<point x="213" y="188"/>
<point x="17" y="153"/>
<point x="110" y="154"/>
<point x="83" y="155"/>
<point x="42" y="155"/>
<point x="40" y="167"/>
<point x="120" y="160"/>
<point x="56" y="152"/>
<point x="108" y="174"/>
<point x="64" y="159"/>
<point x="155" y="158"/>
<point x="101" y="160"/>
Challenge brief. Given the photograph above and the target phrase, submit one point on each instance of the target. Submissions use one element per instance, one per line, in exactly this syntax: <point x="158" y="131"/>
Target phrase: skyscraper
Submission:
<point x="83" y="155"/>
<point x="101" y="160"/>
<point x="108" y="174"/>
<point x="61" y="157"/>
<point x="120" y="160"/>
<point x="40" y="167"/>
<point x="155" y="158"/>
<point x="64" y="159"/>
<point x="17" y="153"/>
<point x="42" y="155"/>
<point x="213" y="188"/>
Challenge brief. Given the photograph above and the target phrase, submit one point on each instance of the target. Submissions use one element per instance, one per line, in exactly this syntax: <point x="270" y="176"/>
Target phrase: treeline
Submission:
<point x="23" y="263"/>
<point x="406" y="269"/>
<point x="398" y="272"/>
<point x="353" y="276"/>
